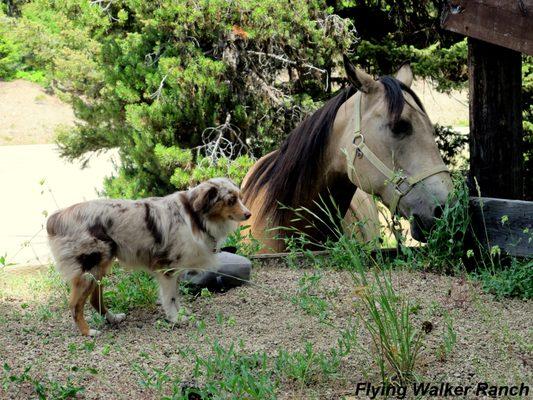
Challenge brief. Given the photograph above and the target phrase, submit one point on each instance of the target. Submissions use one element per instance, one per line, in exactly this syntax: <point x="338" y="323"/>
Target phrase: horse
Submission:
<point x="374" y="135"/>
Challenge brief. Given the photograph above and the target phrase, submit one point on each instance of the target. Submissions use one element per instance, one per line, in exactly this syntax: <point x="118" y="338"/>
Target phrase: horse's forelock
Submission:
<point x="395" y="99"/>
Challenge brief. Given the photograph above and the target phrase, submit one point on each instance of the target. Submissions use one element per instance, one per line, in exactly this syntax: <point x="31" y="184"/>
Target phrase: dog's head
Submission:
<point x="219" y="199"/>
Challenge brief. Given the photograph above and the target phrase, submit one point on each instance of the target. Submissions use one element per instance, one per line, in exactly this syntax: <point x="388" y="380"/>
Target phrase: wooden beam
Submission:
<point x="496" y="137"/>
<point x="507" y="23"/>
<point x="504" y="223"/>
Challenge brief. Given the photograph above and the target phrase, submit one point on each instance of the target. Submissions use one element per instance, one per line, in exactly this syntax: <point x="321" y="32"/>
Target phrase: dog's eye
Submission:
<point x="402" y="128"/>
<point x="232" y="200"/>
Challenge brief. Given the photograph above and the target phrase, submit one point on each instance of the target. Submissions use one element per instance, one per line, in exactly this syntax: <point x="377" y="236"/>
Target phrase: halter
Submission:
<point x="402" y="182"/>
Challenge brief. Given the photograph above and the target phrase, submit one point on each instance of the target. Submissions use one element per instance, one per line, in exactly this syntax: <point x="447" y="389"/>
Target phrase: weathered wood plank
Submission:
<point x="496" y="136"/>
<point x="504" y="223"/>
<point x="506" y="23"/>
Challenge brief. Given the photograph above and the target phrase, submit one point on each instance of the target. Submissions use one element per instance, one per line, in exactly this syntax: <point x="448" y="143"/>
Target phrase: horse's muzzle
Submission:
<point x="422" y="225"/>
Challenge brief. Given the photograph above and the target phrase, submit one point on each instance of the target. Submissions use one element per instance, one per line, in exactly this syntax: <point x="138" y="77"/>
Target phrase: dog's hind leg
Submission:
<point x="97" y="297"/>
<point x="82" y="286"/>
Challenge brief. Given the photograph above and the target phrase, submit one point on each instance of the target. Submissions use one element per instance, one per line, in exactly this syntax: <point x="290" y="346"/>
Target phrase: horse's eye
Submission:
<point x="402" y="128"/>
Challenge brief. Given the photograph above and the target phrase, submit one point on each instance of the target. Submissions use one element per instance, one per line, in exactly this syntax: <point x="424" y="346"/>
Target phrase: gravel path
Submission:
<point x="493" y="338"/>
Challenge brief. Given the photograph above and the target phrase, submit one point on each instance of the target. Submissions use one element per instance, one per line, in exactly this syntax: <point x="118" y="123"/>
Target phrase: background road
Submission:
<point x="34" y="180"/>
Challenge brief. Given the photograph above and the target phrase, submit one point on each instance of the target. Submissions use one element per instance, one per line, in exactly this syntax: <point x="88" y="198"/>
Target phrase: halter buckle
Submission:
<point x="358" y="151"/>
<point x="402" y="191"/>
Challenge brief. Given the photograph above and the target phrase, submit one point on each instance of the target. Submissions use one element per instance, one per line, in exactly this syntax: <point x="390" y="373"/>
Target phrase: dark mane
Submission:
<point x="394" y="94"/>
<point x="290" y="174"/>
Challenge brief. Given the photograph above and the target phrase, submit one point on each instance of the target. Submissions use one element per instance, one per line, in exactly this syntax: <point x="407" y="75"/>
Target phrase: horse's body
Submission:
<point x="315" y="163"/>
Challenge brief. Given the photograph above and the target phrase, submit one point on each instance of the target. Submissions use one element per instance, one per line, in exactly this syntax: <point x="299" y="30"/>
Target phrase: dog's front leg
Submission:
<point x="169" y="295"/>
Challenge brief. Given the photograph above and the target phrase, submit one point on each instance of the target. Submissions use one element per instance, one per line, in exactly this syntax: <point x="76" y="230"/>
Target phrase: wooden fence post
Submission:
<point x="496" y="135"/>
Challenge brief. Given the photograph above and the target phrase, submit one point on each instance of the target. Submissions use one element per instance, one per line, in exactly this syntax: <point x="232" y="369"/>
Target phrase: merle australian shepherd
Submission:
<point x="164" y="235"/>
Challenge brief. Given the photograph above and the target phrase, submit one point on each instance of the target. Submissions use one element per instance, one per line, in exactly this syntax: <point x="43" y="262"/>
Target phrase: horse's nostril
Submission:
<point x="437" y="213"/>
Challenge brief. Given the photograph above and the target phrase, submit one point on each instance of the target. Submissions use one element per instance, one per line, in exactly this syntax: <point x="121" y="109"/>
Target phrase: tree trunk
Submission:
<point x="496" y="159"/>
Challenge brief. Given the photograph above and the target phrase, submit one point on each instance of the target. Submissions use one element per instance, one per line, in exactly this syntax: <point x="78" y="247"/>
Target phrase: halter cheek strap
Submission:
<point x="402" y="182"/>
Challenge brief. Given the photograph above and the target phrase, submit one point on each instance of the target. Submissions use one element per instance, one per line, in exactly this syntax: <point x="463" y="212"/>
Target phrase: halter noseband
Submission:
<point x="402" y="182"/>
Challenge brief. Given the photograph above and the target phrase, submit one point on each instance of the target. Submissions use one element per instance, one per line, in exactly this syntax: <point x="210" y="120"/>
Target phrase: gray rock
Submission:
<point x="233" y="270"/>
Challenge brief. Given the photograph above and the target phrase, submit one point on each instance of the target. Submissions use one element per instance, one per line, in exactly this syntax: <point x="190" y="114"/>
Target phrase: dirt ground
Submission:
<point x="494" y="339"/>
<point x="28" y="115"/>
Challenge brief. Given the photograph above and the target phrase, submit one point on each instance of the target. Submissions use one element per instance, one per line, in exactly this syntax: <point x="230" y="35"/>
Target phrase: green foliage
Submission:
<point x="246" y="245"/>
<point x="155" y="79"/>
<point x="42" y="388"/>
<point x="449" y="339"/>
<point x="131" y="290"/>
<point x="515" y="280"/>
<point x="230" y="371"/>
<point x="446" y="66"/>
<point x="445" y="243"/>
<point x="527" y="107"/>
<point x="309" y="297"/>
<point x="450" y="143"/>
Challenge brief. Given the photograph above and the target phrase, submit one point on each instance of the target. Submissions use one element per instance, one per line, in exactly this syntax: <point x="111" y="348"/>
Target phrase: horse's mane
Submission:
<point x="289" y="175"/>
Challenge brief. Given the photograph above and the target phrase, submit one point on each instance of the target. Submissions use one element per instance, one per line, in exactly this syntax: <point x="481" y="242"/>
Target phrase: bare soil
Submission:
<point x="29" y="115"/>
<point x="494" y="339"/>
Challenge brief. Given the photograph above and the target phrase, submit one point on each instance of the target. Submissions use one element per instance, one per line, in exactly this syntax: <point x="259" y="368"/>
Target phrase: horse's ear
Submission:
<point x="405" y="74"/>
<point x="357" y="77"/>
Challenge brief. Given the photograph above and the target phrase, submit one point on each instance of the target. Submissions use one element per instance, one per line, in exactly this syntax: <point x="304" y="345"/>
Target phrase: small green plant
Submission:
<point x="515" y="280"/>
<point x="445" y="241"/>
<point x="230" y="372"/>
<point x="155" y="378"/>
<point x="44" y="389"/>
<point x="246" y="245"/>
<point x="307" y="366"/>
<point x="449" y="339"/>
<point x="131" y="290"/>
<point x="308" y="296"/>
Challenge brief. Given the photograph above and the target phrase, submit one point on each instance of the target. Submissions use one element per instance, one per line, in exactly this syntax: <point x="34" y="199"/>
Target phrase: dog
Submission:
<point x="163" y="235"/>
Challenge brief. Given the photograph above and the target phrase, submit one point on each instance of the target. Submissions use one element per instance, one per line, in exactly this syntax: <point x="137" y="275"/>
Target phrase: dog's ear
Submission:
<point x="204" y="198"/>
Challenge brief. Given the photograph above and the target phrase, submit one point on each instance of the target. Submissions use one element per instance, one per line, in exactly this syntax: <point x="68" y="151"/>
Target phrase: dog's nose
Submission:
<point x="247" y="215"/>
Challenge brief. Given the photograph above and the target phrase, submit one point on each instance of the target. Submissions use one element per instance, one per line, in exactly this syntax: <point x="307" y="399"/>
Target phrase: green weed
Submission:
<point x="130" y="290"/>
<point x="246" y="245"/>
<point x="309" y="298"/>
<point x="231" y="372"/>
<point x="445" y="242"/>
<point x="385" y="314"/>
<point x="44" y="389"/>
<point x="449" y="339"/>
<point x="516" y="280"/>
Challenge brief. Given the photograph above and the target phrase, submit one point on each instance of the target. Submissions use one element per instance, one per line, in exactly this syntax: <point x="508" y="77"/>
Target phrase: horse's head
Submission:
<point x="393" y="152"/>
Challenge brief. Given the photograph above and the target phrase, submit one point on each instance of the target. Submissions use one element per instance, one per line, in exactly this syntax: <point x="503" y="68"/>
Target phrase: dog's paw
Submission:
<point x="180" y="317"/>
<point x="115" y="318"/>
<point x="93" y="332"/>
